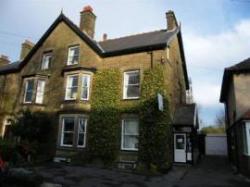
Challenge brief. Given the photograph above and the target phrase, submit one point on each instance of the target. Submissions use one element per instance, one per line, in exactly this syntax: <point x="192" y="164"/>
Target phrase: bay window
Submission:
<point x="131" y="88"/>
<point x="130" y="134"/>
<point x="73" y="131"/>
<point x="77" y="86"/>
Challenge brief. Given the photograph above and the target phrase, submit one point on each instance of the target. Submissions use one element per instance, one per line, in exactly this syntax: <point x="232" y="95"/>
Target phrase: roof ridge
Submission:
<point x="136" y="34"/>
<point x="246" y="60"/>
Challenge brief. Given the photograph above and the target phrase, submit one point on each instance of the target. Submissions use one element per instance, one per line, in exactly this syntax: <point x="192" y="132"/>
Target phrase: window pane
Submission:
<point x="81" y="139"/>
<point x="133" y="78"/>
<point x="130" y="142"/>
<point x="29" y="86"/>
<point x="68" y="139"/>
<point x="85" y="87"/>
<point x="40" y="91"/>
<point x="46" y="61"/>
<point x="133" y="91"/>
<point x="180" y="142"/>
<point x="131" y="127"/>
<point x="69" y="124"/>
<point x="81" y="127"/>
<point x="74" y="81"/>
<point x="73" y="55"/>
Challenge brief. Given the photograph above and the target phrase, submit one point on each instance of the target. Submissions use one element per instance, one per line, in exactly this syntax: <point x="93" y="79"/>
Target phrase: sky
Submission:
<point x="216" y="33"/>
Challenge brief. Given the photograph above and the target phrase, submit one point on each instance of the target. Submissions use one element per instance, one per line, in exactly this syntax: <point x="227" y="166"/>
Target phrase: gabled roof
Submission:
<point x="186" y="115"/>
<point x="242" y="67"/>
<point x="125" y="45"/>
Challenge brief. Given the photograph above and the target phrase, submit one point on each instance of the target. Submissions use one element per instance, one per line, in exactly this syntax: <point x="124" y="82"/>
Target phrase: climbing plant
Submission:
<point x="104" y="118"/>
<point x="155" y="129"/>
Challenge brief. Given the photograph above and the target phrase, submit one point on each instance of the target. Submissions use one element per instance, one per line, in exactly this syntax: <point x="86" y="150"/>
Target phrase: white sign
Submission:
<point x="160" y="102"/>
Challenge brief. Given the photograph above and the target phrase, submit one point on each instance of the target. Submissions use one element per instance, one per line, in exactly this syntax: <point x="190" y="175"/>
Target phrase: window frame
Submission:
<point x="70" y="63"/>
<point x="67" y="87"/>
<point x="46" y="54"/>
<point x="88" y="86"/>
<point x="125" y="85"/>
<point x="62" y="132"/>
<point x="122" y="134"/>
<point x="75" y="131"/>
<point x="85" y="131"/>
<point x="25" y="90"/>
<point x="246" y="138"/>
<point x="43" y="93"/>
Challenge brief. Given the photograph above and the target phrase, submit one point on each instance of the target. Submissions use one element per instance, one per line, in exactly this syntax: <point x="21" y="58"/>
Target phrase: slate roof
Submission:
<point x="186" y="115"/>
<point x="155" y="38"/>
<point x="243" y="66"/>
<point x="11" y="66"/>
<point x="130" y="44"/>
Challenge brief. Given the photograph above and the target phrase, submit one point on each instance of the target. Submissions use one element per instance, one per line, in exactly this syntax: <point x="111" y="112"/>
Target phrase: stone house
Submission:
<point x="235" y="96"/>
<point x="59" y="75"/>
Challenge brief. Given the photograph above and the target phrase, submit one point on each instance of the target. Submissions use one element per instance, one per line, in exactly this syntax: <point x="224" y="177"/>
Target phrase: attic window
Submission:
<point x="46" y="61"/>
<point x="73" y="55"/>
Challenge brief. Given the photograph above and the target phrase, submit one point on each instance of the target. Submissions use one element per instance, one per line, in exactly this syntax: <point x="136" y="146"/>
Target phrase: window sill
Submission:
<point x="129" y="150"/>
<point x="34" y="104"/>
<point x="70" y="148"/>
<point x="131" y="99"/>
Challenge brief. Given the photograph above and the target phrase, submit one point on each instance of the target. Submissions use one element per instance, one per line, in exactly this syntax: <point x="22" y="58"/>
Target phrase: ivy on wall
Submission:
<point x="155" y="130"/>
<point x="104" y="123"/>
<point x="103" y="130"/>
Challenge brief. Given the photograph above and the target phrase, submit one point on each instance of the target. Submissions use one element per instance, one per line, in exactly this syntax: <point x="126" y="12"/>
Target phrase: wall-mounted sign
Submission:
<point x="160" y="102"/>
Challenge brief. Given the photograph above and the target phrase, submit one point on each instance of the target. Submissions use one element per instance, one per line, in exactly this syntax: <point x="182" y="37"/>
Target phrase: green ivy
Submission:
<point x="104" y="118"/>
<point x="155" y="129"/>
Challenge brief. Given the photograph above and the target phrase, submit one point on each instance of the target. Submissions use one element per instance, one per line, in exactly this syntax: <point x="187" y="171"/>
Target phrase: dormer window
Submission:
<point x="46" y="61"/>
<point x="73" y="55"/>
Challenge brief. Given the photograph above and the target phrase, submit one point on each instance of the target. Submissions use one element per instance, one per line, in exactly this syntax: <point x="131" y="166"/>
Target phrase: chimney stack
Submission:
<point x="104" y="37"/>
<point x="4" y="60"/>
<point x="171" y="20"/>
<point x="26" y="48"/>
<point x="87" y="21"/>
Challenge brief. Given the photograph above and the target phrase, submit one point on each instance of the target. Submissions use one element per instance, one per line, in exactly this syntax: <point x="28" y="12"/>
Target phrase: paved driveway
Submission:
<point x="210" y="172"/>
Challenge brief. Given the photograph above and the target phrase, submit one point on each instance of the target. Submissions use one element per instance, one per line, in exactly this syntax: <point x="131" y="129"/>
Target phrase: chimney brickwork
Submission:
<point x="4" y="60"/>
<point x="171" y="20"/>
<point x="26" y="48"/>
<point x="87" y="21"/>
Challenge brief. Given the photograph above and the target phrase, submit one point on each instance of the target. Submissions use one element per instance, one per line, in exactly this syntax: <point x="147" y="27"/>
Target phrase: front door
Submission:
<point x="180" y="147"/>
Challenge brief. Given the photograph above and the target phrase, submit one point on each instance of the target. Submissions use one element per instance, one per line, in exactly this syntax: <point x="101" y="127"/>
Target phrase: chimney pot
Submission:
<point x="87" y="21"/>
<point x="104" y="37"/>
<point x="87" y="8"/>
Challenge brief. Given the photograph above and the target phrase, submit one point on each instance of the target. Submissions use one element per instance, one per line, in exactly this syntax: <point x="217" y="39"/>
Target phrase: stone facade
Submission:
<point x="12" y="84"/>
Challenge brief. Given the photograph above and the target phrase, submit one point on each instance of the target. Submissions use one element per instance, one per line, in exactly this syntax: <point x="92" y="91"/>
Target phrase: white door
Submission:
<point x="180" y="147"/>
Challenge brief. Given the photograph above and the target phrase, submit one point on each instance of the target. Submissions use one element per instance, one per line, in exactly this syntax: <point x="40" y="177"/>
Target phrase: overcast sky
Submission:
<point x="216" y="33"/>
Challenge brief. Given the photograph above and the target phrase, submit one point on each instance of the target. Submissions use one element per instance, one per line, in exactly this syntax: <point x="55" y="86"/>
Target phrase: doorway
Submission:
<point x="180" y="148"/>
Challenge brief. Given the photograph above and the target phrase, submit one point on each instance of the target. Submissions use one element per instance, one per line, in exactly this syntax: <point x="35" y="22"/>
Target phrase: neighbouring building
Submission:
<point x="69" y="74"/>
<point x="235" y="96"/>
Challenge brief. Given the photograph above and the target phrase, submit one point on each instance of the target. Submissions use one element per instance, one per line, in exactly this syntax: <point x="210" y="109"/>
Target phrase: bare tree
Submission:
<point x="220" y="119"/>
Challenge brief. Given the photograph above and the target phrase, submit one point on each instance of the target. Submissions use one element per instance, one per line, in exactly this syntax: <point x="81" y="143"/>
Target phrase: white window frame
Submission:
<point x="246" y="138"/>
<point x="122" y="135"/>
<point x="25" y="90"/>
<point x="125" y="84"/>
<point x="6" y="122"/>
<point x="67" y="87"/>
<point x="75" y="131"/>
<point x="69" y="59"/>
<point x="40" y="93"/>
<point x="46" y="60"/>
<point x="88" y="86"/>
<point x="85" y="131"/>
<point x="62" y="132"/>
